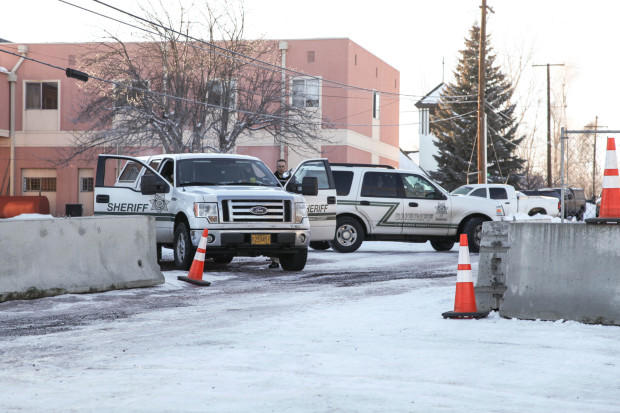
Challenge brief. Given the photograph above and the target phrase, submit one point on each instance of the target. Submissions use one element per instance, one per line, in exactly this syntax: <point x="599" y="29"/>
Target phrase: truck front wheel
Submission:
<point x="294" y="262"/>
<point x="473" y="229"/>
<point x="349" y="235"/>
<point x="183" y="249"/>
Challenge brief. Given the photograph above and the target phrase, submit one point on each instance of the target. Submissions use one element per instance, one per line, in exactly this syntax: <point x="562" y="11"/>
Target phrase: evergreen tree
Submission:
<point x="454" y="123"/>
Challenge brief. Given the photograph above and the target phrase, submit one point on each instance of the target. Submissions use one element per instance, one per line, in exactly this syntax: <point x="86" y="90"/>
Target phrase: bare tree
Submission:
<point x="174" y="92"/>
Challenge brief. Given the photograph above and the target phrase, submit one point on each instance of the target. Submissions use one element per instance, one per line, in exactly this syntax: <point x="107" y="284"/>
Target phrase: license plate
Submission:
<point x="261" y="239"/>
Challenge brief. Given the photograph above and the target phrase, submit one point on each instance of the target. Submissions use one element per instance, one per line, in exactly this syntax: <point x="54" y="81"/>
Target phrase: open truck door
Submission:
<point x="314" y="180"/>
<point x="128" y="186"/>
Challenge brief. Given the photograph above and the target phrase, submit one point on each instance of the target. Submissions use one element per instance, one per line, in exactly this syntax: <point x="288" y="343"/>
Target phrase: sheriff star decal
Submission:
<point x="159" y="203"/>
<point x="441" y="209"/>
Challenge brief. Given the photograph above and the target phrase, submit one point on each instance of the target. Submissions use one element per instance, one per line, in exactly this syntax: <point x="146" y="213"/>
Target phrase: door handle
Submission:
<point x="331" y="200"/>
<point x="413" y="204"/>
<point x="506" y="203"/>
<point x="102" y="199"/>
<point x="364" y="202"/>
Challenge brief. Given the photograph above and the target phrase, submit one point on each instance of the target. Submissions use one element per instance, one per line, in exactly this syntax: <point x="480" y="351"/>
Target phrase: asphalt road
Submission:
<point x="325" y="269"/>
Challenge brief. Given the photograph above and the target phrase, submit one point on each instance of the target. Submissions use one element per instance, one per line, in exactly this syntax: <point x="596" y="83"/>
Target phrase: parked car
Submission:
<point x="380" y="203"/>
<point x="513" y="201"/>
<point x="574" y="199"/>
<point x="236" y="197"/>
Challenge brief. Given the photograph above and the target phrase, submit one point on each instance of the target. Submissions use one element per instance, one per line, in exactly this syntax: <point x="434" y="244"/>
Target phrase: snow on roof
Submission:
<point x="432" y="97"/>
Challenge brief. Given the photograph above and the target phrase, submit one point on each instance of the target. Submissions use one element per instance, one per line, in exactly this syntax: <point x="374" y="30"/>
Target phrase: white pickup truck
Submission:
<point x="239" y="200"/>
<point x="512" y="200"/>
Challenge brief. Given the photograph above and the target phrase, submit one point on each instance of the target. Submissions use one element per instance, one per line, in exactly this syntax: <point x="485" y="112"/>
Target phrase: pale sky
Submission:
<point x="411" y="35"/>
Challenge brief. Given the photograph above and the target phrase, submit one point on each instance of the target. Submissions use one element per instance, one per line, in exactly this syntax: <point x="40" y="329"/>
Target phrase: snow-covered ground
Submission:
<point x="352" y="332"/>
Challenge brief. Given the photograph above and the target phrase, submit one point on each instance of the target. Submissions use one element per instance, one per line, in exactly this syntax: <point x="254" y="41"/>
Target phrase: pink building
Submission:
<point x="364" y="120"/>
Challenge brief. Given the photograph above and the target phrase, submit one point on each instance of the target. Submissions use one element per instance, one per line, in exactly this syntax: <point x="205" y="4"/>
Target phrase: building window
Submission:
<point x="424" y="122"/>
<point x="376" y="72"/>
<point x="86" y="184"/>
<point x="375" y="105"/>
<point x="306" y="93"/>
<point x="39" y="185"/>
<point x="221" y="93"/>
<point x="310" y="56"/>
<point x="355" y="60"/>
<point x="41" y="95"/>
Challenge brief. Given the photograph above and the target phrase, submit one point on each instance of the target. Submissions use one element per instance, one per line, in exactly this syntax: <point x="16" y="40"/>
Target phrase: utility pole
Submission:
<point x="596" y="126"/>
<point x="482" y="145"/>
<point x="549" y="175"/>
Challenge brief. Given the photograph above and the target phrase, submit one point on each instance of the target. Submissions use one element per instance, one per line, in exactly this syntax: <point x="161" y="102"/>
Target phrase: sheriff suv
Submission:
<point x="237" y="198"/>
<point x="379" y="203"/>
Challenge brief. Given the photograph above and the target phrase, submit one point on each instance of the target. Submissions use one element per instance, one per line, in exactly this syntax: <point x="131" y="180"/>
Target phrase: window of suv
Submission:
<point x="343" y="182"/>
<point x="416" y="186"/>
<point x="381" y="185"/>
<point x="498" y="193"/>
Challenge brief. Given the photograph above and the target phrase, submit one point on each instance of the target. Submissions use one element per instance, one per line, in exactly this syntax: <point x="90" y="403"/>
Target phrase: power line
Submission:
<point x="231" y="53"/>
<point x="193" y="101"/>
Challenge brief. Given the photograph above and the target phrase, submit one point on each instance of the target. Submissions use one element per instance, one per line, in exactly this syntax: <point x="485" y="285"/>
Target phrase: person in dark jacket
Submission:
<point x="280" y="170"/>
<point x="279" y="174"/>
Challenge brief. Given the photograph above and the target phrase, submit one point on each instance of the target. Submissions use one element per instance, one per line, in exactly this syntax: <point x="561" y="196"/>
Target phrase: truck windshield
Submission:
<point x="224" y="171"/>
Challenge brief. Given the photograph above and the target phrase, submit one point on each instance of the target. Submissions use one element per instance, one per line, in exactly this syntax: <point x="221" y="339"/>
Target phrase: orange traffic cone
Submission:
<point x="610" y="198"/>
<point x="195" y="271"/>
<point x="465" y="300"/>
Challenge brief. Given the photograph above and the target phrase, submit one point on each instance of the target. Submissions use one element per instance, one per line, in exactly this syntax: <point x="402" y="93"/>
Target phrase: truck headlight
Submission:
<point x="206" y="210"/>
<point x="301" y="212"/>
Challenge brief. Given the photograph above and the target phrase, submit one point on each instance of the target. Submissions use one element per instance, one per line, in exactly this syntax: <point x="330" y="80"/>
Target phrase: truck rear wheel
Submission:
<point x="473" y="229"/>
<point x="442" y="245"/>
<point x="183" y="249"/>
<point x="294" y="262"/>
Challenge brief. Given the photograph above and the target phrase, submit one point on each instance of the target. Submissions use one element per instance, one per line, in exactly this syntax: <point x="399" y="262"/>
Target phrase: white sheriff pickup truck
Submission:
<point x="512" y="200"/>
<point x="236" y="197"/>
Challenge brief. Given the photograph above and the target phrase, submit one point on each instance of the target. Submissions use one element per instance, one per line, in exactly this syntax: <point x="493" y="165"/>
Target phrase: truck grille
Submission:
<point x="239" y="210"/>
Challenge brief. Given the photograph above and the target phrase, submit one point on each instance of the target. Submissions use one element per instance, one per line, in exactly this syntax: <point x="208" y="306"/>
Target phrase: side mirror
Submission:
<point x="310" y="186"/>
<point x="152" y="184"/>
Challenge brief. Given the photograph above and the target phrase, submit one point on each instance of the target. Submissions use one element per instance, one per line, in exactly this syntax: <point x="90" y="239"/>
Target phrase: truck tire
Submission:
<point x="159" y="248"/>
<point x="537" y="211"/>
<point x="349" y="235"/>
<point x="442" y="245"/>
<point x="183" y="249"/>
<point x="319" y="245"/>
<point x="473" y="229"/>
<point x="294" y="262"/>
<point x="580" y="214"/>
<point x="223" y="259"/>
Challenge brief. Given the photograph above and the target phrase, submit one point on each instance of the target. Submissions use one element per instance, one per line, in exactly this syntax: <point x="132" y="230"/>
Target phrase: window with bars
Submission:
<point x="86" y="184"/>
<point x="32" y="184"/>
<point x="41" y="95"/>
<point x="222" y="93"/>
<point x="306" y="93"/>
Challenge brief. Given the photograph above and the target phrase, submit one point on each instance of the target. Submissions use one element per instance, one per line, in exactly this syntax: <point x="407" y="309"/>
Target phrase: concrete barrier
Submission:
<point x="491" y="280"/>
<point x="569" y="272"/>
<point x="40" y="258"/>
